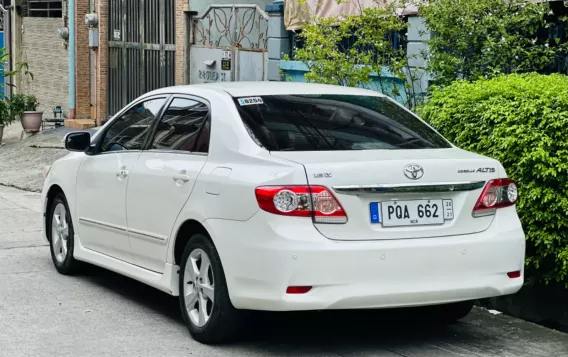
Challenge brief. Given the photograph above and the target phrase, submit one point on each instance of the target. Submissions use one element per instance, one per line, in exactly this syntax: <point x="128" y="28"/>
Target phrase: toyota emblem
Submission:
<point x="413" y="171"/>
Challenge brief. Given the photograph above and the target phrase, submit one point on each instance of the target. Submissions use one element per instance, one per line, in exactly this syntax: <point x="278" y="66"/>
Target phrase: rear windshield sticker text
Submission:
<point x="250" y="101"/>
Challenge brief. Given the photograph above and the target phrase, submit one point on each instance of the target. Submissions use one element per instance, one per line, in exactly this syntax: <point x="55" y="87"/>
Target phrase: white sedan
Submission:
<point x="281" y="197"/>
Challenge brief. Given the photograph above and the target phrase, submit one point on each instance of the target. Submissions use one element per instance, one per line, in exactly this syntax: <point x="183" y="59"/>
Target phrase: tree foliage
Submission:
<point x="348" y="50"/>
<point x="522" y="121"/>
<point x="482" y="38"/>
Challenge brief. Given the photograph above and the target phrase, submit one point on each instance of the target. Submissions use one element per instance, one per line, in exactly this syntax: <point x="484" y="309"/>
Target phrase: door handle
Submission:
<point x="181" y="177"/>
<point x="122" y="173"/>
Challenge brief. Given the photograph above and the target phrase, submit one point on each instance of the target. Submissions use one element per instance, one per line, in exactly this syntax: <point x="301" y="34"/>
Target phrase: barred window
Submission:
<point x="42" y="8"/>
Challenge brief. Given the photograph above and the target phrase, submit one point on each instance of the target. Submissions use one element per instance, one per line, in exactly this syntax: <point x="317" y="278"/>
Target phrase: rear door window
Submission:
<point x="334" y="122"/>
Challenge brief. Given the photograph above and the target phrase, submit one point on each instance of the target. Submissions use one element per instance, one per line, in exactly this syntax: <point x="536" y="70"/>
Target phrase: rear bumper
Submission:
<point x="265" y="255"/>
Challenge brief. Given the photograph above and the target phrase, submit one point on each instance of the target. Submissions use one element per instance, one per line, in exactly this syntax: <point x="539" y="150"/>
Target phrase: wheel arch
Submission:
<point x="53" y="191"/>
<point x="187" y="229"/>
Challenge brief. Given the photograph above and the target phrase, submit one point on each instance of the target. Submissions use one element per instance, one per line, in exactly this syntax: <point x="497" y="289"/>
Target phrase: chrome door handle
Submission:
<point x="181" y="177"/>
<point x="122" y="173"/>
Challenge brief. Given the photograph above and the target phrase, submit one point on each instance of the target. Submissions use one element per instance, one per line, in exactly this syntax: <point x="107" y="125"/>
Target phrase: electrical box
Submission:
<point x="93" y="37"/>
<point x="92" y="19"/>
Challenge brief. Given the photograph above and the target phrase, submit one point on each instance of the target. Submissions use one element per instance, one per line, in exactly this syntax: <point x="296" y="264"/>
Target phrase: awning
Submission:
<point x="299" y="12"/>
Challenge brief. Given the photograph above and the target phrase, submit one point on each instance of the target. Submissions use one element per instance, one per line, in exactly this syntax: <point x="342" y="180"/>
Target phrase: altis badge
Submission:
<point x="483" y="170"/>
<point x="250" y="101"/>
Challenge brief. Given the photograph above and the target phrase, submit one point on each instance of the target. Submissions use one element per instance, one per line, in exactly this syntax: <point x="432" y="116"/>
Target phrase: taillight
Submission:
<point x="301" y="201"/>
<point x="498" y="193"/>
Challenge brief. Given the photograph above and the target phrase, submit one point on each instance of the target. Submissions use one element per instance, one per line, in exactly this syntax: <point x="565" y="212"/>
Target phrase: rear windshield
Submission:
<point x="334" y="122"/>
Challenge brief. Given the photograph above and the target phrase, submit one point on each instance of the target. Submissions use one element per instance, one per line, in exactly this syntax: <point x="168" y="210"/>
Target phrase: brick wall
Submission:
<point x="82" y="65"/>
<point x="181" y="6"/>
<point x="43" y="50"/>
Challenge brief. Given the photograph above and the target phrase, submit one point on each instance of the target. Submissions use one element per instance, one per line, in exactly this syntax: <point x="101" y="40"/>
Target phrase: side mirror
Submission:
<point x="78" y="141"/>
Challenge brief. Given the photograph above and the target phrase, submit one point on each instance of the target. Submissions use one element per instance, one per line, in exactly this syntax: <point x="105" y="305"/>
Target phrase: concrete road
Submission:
<point x="100" y="313"/>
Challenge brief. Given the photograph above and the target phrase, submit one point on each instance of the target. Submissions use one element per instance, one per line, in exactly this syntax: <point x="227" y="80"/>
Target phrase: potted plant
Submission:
<point x="5" y="117"/>
<point x="25" y="106"/>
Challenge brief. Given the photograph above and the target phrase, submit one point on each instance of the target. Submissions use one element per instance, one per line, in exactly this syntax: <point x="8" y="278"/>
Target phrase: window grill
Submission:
<point x="42" y="8"/>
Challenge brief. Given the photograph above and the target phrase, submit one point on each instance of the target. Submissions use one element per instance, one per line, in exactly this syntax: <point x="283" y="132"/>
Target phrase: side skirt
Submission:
<point x="166" y="282"/>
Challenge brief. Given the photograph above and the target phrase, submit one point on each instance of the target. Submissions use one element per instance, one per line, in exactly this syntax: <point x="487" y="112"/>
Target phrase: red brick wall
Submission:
<point x="181" y="28"/>
<point x="82" y="65"/>
<point x="102" y="62"/>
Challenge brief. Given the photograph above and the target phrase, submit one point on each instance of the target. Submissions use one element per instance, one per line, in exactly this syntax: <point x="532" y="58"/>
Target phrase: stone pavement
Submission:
<point x="22" y="162"/>
<point x="99" y="313"/>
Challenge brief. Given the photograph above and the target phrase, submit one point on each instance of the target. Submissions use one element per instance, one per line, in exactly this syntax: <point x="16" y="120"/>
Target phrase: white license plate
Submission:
<point x="412" y="213"/>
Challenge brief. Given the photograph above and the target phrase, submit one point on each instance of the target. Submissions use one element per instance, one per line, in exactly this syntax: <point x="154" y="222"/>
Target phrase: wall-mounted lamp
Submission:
<point x="63" y="33"/>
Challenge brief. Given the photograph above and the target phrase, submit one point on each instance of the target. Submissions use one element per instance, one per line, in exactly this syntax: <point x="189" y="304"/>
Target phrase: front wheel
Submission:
<point x="204" y="298"/>
<point x="61" y="236"/>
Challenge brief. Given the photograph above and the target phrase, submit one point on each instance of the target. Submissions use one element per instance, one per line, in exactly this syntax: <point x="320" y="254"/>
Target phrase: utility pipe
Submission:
<point x="71" y="24"/>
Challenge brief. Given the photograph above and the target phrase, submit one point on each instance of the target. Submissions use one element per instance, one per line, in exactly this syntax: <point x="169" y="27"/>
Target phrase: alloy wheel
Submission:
<point x="60" y="233"/>
<point x="199" y="288"/>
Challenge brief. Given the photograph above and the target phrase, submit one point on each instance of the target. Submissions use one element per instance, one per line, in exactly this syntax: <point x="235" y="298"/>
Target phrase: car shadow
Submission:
<point x="355" y="330"/>
<point x="356" y="324"/>
<point x="134" y="291"/>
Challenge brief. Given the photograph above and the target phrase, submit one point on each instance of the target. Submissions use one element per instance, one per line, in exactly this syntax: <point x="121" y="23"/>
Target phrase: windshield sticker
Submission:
<point x="250" y="101"/>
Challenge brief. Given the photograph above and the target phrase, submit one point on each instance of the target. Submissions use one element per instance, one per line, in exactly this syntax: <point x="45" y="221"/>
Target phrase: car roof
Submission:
<point x="243" y="89"/>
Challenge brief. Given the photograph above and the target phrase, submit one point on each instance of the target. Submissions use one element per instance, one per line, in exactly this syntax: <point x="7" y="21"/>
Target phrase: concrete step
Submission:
<point x="80" y="124"/>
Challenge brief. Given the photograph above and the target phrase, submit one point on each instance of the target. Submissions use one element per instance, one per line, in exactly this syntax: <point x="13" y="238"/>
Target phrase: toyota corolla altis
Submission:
<point x="284" y="197"/>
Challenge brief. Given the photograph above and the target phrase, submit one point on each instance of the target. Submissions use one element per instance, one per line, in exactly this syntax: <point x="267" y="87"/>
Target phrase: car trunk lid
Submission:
<point x="400" y="194"/>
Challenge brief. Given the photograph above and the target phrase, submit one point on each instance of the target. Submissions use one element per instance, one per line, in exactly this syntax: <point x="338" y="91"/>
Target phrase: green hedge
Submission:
<point x="522" y="121"/>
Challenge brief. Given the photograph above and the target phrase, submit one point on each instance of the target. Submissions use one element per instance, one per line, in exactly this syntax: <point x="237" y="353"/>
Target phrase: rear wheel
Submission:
<point x="204" y="298"/>
<point x="61" y="236"/>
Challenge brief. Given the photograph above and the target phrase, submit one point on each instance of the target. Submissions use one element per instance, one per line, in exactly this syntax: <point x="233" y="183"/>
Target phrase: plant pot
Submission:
<point x="31" y="121"/>
<point x="1" y="132"/>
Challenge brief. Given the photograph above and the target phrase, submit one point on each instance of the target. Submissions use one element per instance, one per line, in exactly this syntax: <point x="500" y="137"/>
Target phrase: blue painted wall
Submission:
<point x="2" y="82"/>
<point x="295" y="71"/>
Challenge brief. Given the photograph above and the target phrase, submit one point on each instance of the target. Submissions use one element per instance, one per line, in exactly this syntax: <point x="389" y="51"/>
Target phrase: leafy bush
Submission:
<point x="522" y="121"/>
<point x="347" y="50"/>
<point x="20" y="103"/>
<point x="476" y="38"/>
<point x="5" y="118"/>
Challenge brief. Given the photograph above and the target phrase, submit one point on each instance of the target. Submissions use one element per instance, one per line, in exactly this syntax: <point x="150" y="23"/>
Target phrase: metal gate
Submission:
<point x="229" y="43"/>
<point x="141" y="49"/>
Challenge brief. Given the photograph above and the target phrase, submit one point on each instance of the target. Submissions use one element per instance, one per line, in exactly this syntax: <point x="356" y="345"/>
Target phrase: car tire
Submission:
<point x="210" y="321"/>
<point x="60" y="232"/>
<point x="451" y="313"/>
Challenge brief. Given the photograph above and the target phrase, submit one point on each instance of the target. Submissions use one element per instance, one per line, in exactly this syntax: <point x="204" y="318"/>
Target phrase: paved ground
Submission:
<point x="22" y="161"/>
<point x="100" y="313"/>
